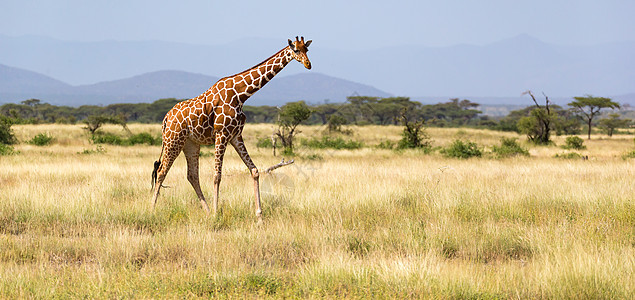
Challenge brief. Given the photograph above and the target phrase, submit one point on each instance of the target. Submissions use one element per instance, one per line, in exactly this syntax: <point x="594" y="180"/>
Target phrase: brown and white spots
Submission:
<point x="216" y="117"/>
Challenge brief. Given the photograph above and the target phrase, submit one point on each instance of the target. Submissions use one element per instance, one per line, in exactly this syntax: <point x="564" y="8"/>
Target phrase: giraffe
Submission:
<point x="216" y="117"/>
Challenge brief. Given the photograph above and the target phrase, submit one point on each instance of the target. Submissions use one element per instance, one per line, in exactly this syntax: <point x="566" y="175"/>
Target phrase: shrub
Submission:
<point x="509" y="147"/>
<point x="264" y="142"/>
<point x="7" y="150"/>
<point x="629" y="155"/>
<point x="569" y="155"/>
<point x="113" y="139"/>
<point x="106" y="138"/>
<point x="41" y="139"/>
<point x="414" y="135"/>
<point x="462" y="149"/>
<point x="98" y="150"/>
<point x="143" y="138"/>
<point x="574" y="142"/>
<point x="6" y="134"/>
<point x="387" y="144"/>
<point x="332" y="143"/>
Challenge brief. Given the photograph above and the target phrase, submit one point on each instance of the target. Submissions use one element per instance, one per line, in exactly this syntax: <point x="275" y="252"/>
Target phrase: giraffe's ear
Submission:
<point x="291" y="45"/>
<point x="308" y="43"/>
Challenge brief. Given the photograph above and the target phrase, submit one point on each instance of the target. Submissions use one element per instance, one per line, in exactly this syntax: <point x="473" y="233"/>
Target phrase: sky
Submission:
<point x="335" y="24"/>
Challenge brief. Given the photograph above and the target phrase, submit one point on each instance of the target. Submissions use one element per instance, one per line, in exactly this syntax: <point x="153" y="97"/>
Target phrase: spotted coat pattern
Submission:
<point x="216" y="117"/>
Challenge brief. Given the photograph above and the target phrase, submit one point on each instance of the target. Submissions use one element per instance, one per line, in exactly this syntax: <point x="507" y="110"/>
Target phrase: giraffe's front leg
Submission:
<point x="239" y="145"/>
<point x="220" y="145"/>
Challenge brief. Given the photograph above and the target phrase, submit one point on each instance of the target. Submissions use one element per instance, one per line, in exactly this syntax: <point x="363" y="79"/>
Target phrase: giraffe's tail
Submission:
<point x="157" y="164"/>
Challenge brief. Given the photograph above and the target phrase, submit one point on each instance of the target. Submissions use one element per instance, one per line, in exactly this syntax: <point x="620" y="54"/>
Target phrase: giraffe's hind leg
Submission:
<point x="192" y="151"/>
<point x="171" y="151"/>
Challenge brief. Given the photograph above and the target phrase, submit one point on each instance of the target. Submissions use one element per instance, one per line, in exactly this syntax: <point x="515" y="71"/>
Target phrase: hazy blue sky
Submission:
<point x="330" y="23"/>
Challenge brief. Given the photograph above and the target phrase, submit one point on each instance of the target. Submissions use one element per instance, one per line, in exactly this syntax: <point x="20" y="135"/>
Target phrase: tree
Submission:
<point x="413" y="135"/>
<point x="611" y="123"/>
<point x="335" y="123"/>
<point x="538" y="125"/>
<point x="290" y="116"/>
<point x="589" y="106"/>
<point x="94" y="122"/>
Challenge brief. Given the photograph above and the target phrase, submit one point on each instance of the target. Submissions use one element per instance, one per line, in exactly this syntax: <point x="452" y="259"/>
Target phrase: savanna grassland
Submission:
<point x="76" y="221"/>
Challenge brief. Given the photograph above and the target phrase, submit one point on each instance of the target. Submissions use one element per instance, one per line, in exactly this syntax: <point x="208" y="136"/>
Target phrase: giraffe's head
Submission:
<point x="300" y="48"/>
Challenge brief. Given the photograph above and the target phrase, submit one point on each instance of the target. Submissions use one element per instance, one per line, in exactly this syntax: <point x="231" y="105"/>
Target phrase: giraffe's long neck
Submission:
<point x="250" y="81"/>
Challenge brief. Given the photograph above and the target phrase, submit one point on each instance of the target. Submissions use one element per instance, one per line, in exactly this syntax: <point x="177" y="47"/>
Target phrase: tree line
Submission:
<point x="537" y="121"/>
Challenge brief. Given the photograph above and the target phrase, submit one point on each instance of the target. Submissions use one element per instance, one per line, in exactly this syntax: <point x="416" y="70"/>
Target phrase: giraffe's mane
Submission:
<point x="247" y="70"/>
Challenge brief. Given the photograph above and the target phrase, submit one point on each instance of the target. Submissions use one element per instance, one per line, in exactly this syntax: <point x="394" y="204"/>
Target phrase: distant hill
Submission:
<point x="501" y="69"/>
<point x="17" y="85"/>
<point x="17" y="81"/>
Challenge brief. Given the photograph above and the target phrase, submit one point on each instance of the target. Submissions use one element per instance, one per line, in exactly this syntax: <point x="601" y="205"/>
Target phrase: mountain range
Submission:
<point x="497" y="73"/>
<point x="18" y="84"/>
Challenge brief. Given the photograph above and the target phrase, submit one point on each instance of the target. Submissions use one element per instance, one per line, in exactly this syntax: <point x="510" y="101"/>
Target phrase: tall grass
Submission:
<point x="357" y="223"/>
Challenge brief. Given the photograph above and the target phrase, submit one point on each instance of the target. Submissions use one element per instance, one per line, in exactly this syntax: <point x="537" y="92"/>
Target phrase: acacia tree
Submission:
<point x="612" y="122"/>
<point x="589" y="106"/>
<point x="290" y="116"/>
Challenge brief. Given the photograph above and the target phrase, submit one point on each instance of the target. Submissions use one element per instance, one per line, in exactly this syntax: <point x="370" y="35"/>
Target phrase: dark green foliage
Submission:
<point x="574" y="142"/>
<point x="6" y="134"/>
<point x="509" y="147"/>
<point x="462" y="149"/>
<point x="327" y="142"/>
<point x="6" y="150"/>
<point x="106" y="138"/>
<point x="144" y="138"/>
<point x="335" y="123"/>
<point x="291" y="115"/>
<point x="413" y="135"/>
<point x="264" y="142"/>
<point x="113" y="139"/>
<point x="41" y="139"/>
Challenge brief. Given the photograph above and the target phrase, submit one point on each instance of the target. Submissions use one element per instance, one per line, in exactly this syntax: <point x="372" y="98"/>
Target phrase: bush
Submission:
<point x="113" y="139"/>
<point x="387" y="144"/>
<point x="6" y="134"/>
<point x="569" y="155"/>
<point x="98" y="150"/>
<point x="574" y="142"/>
<point x="7" y="150"/>
<point x="414" y="135"/>
<point x="332" y="143"/>
<point x="41" y="139"/>
<point x="509" y="147"/>
<point x="143" y="138"/>
<point x="629" y="155"/>
<point x="106" y="138"/>
<point x="264" y="142"/>
<point x="462" y="149"/>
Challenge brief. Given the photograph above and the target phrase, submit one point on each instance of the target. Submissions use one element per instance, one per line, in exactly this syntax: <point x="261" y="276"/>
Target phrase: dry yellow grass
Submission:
<point x="361" y="223"/>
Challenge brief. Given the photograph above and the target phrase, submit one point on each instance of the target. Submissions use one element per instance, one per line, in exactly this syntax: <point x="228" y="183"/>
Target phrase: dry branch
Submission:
<point x="281" y="164"/>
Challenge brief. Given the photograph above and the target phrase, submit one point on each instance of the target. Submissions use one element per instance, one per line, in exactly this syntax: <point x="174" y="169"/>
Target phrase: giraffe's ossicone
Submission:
<point x="216" y="117"/>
